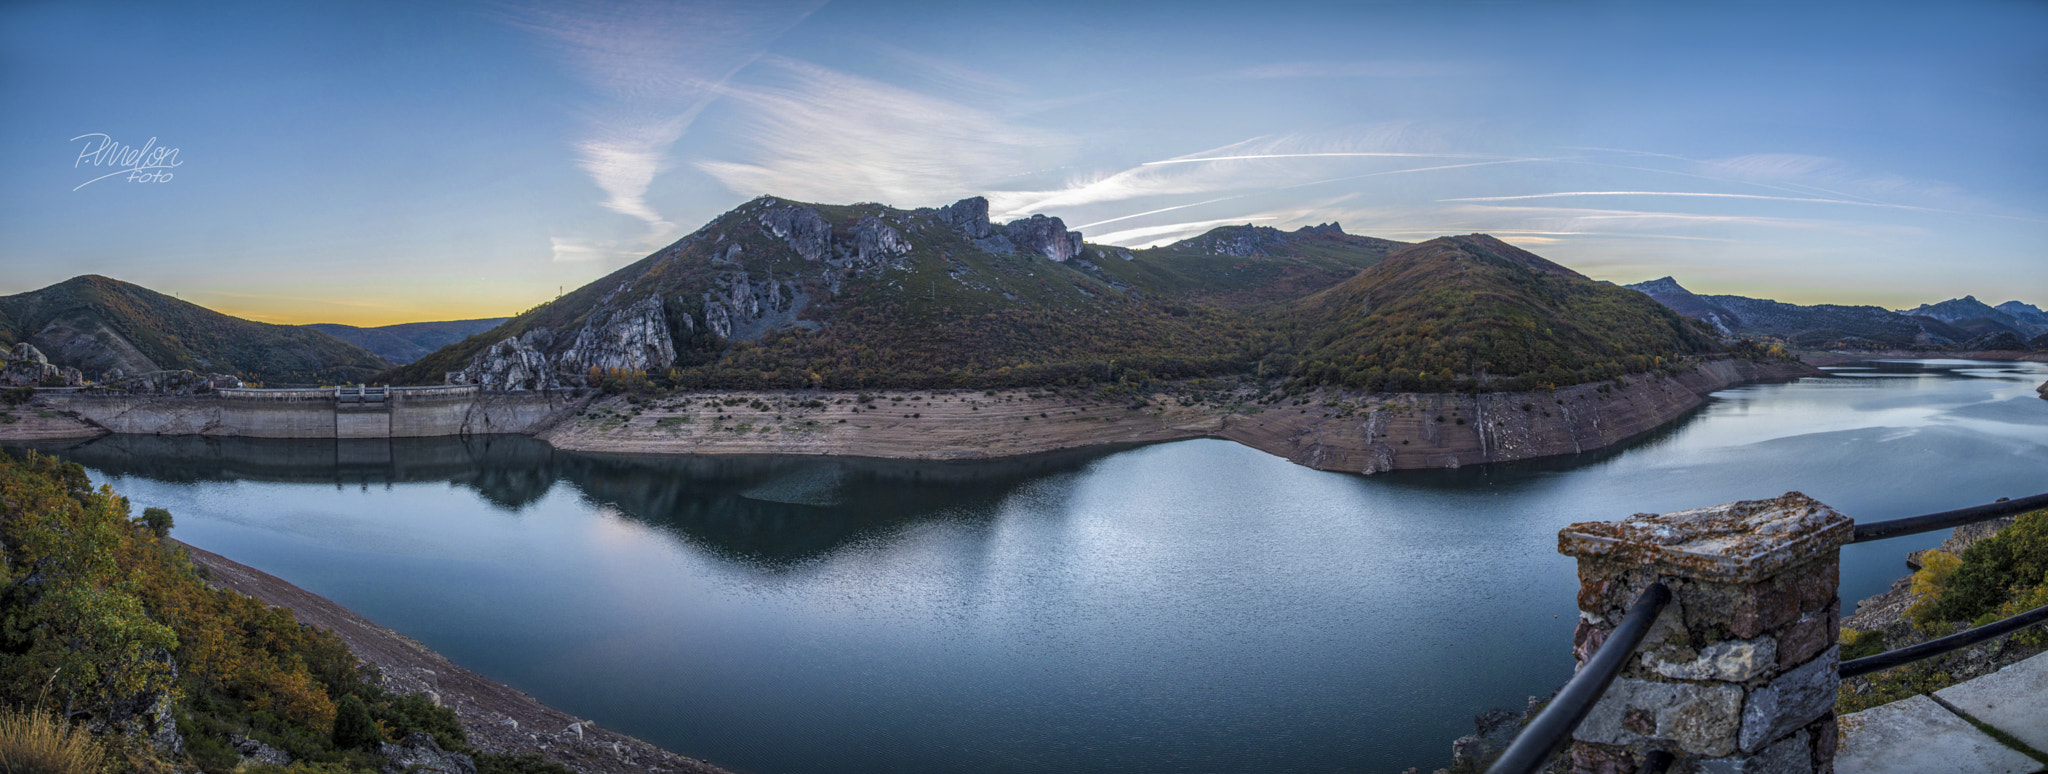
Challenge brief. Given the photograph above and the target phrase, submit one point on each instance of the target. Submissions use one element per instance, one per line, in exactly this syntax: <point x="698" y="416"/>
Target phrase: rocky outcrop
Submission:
<point x="1044" y="236"/>
<point x="740" y="308"/>
<point x="631" y="338"/>
<point x="25" y="366"/>
<point x="802" y="227"/>
<point x="876" y="243"/>
<point x="968" y="216"/>
<point x="419" y="754"/>
<point x="167" y="383"/>
<point x="515" y="364"/>
<point x="255" y="753"/>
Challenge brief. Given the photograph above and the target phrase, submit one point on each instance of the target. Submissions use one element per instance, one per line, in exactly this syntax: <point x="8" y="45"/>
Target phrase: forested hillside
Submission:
<point x="99" y="325"/>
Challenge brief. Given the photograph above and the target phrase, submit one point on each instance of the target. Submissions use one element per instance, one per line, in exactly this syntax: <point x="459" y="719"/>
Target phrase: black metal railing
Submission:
<point x="1553" y="727"/>
<point x="1547" y="734"/>
<point x="1879" y="530"/>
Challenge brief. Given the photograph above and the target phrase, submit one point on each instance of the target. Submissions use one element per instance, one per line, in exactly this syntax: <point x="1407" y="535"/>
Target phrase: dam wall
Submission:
<point x="346" y="412"/>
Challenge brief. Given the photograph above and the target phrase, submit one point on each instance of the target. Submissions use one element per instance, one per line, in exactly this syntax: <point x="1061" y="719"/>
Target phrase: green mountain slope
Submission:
<point x="787" y="294"/>
<point x="779" y="294"/>
<point x="1471" y="311"/>
<point x="406" y="342"/>
<point x="98" y="325"/>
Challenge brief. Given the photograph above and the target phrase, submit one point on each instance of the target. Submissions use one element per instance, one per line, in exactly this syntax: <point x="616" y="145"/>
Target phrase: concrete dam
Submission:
<point x="327" y="412"/>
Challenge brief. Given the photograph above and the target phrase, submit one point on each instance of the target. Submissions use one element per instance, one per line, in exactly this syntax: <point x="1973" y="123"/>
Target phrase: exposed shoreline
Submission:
<point x="497" y="717"/>
<point x="1326" y="429"/>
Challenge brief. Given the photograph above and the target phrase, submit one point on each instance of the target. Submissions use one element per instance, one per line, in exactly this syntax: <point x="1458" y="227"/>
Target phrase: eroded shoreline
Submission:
<point x="1326" y="429"/>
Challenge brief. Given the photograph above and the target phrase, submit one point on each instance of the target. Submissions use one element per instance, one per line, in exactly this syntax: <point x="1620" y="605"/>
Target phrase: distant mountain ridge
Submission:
<point x="406" y="342"/>
<point x="1956" y="324"/>
<point x="100" y="325"/>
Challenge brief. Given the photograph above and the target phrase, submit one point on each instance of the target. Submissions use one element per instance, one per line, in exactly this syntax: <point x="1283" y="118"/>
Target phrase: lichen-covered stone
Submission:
<point x="1734" y="543"/>
<point x="1732" y="661"/>
<point x="1700" y="719"/>
<point x="1792" y="755"/>
<point x="1791" y="701"/>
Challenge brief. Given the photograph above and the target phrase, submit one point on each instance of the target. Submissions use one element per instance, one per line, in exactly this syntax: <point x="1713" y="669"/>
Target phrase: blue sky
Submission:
<point x="373" y="163"/>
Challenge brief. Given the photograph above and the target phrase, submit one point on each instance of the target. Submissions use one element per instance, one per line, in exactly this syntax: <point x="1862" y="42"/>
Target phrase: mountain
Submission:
<point x="1977" y="317"/>
<point x="1250" y="266"/>
<point x="406" y="342"/>
<point x="781" y="294"/>
<point x="1963" y="323"/>
<point x="1668" y="292"/>
<point x="785" y="294"/>
<point x="99" y="325"/>
<point x="2027" y="314"/>
<point x="1429" y="315"/>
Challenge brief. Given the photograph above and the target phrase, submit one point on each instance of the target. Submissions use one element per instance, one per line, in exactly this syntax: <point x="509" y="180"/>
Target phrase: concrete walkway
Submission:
<point x="1934" y="735"/>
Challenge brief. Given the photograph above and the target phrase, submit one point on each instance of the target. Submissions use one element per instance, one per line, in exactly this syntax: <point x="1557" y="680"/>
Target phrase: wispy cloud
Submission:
<point x="654" y="67"/>
<point x="824" y="135"/>
<point x="1370" y="68"/>
<point x="1153" y="236"/>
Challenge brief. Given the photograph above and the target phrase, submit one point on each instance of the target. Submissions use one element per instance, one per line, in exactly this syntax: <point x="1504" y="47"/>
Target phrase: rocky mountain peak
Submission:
<point x="1661" y="285"/>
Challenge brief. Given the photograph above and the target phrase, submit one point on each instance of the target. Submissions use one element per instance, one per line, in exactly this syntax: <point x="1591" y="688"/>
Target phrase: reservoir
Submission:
<point x="1195" y="606"/>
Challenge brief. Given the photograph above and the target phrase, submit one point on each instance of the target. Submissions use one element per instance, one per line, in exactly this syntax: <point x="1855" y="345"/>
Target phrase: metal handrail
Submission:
<point x="1547" y="734"/>
<point x="1936" y="647"/>
<point x="1880" y="530"/>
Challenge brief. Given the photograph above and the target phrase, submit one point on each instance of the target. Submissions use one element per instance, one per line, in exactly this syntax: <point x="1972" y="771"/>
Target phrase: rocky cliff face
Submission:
<point x="514" y="364"/>
<point x="25" y="366"/>
<point x="634" y="337"/>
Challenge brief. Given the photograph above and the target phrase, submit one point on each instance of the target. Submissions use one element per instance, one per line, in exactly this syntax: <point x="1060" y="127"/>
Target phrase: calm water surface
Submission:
<point x="1185" y="607"/>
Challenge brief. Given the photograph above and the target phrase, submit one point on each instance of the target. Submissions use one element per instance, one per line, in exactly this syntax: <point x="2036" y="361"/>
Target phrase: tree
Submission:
<point x="158" y="521"/>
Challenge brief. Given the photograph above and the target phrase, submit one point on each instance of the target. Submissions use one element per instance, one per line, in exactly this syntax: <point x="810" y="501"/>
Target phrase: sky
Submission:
<point x="374" y="163"/>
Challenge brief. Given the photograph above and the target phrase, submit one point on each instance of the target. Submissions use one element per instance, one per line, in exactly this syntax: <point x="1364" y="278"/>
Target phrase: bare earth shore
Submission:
<point x="1339" y="430"/>
<point x="498" y="718"/>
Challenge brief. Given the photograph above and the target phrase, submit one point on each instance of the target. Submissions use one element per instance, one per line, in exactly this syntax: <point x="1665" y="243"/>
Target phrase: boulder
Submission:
<point x="255" y="753"/>
<point x="419" y="754"/>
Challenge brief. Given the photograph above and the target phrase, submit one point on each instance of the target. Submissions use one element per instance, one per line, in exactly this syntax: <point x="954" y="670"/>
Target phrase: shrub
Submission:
<point x="353" y="727"/>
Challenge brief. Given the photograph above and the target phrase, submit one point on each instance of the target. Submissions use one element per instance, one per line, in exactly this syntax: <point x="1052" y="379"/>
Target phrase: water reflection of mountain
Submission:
<point x="772" y="510"/>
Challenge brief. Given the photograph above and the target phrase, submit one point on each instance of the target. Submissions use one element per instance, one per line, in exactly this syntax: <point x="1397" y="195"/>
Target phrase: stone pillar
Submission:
<point x="1738" y="674"/>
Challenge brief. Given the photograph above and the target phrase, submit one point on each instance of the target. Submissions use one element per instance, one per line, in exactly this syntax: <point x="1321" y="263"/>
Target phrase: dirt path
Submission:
<point x="498" y="718"/>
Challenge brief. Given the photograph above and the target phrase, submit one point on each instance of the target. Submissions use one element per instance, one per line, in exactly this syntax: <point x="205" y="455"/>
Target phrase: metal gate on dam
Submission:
<point x="326" y="412"/>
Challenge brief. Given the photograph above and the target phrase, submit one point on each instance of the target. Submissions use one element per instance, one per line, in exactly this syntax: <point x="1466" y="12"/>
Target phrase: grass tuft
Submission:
<point x="36" y="742"/>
